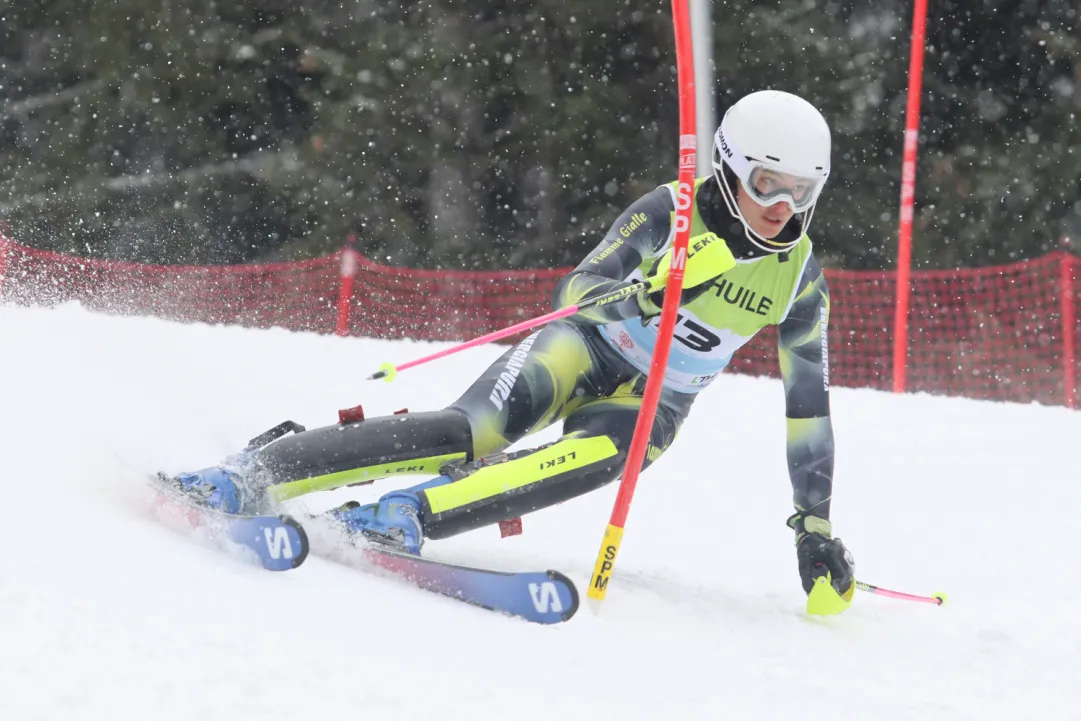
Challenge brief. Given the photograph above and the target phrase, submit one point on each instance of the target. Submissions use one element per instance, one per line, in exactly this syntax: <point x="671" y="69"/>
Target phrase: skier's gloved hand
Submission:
<point x="819" y="554"/>
<point x="708" y="256"/>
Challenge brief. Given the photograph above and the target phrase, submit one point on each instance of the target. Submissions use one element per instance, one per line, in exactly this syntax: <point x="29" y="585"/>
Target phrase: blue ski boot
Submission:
<point x="215" y="487"/>
<point x="219" y="487"/>
<point x="232" y="487"/>
<point x="395" y="521"/>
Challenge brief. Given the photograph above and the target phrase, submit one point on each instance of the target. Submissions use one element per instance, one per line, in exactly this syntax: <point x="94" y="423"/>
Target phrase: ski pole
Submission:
<point x="389" y="370"/>
<point x="938" y="599"/>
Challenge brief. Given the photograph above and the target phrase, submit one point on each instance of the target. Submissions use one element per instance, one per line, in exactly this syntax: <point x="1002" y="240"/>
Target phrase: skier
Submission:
<point x="750" y="264"/>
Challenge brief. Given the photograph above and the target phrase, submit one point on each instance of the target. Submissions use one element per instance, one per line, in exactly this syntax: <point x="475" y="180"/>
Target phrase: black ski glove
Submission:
<point x="819" y="554"/>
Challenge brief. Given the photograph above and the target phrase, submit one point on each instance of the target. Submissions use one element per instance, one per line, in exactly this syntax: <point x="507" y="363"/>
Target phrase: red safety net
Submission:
<point x="298" y="296"/>
<point x="445" y="304"/>
<point x="1002" y="333"/>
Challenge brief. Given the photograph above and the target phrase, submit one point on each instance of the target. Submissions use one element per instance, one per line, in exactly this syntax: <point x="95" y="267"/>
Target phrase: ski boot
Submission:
<point x="219" y="487"/>
<point x="215" y="488"/>
<point x="394" y="521"/>
<point x="226" y="488"/>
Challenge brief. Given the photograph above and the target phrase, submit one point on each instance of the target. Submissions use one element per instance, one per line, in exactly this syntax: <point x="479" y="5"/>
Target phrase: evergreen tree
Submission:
<point x="469" y="134"/>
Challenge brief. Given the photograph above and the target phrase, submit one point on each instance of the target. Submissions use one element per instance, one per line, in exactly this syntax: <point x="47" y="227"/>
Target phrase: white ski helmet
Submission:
<point x="778" y="145"/>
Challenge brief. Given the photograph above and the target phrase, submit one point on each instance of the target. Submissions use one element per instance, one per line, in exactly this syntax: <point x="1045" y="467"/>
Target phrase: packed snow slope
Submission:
<point x="104" y="614"/>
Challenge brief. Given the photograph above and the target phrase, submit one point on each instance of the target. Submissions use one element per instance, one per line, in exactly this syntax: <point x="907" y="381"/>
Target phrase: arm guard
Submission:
<point x="638" y="233"/>
<point x="804" y="361"/>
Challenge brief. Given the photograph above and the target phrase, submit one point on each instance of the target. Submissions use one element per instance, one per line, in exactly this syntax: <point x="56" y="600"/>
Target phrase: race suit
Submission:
<point x="590" y="373"/>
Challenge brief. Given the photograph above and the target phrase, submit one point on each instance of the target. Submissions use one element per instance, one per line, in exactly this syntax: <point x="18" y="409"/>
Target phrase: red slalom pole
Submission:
<point x="613" y="534"/>
<point x="937" y="599"/>
<point x="5" y="251"/>
<point x="346" y="280"/>
<point x="1069" y="326"/>
<point x="908" y="195"/>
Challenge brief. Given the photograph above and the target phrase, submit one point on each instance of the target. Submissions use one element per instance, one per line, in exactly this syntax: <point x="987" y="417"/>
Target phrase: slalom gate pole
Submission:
<point x="938" y="599"/>
<point x="5" y="251"/>
<point x="613" y="534"/>
<point x="347" y="278"/>
<point x="908" y="196"/>
<point x="389" y="370"/>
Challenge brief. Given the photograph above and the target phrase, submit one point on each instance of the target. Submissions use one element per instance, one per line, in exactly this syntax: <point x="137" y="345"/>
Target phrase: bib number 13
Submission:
<point x="694" y="335"/>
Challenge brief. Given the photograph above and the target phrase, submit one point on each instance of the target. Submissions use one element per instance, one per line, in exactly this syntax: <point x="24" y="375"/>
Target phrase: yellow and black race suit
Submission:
<point x="590" y="372"/>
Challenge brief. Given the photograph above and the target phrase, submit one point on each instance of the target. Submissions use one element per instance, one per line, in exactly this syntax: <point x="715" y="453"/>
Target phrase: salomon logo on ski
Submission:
<point x="277" y="542"/>
<point x="545" y="597"/>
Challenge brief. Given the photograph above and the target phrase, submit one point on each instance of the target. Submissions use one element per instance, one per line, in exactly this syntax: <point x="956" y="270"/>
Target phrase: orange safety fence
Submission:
<point x="1002" y="333"/>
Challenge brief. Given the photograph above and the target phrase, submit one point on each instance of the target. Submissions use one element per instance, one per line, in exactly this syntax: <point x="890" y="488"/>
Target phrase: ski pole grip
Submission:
<point x="614" y="296"/>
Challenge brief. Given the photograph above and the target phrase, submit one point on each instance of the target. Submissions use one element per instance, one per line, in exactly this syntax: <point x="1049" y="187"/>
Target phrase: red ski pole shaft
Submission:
<point x="389" y="370"/>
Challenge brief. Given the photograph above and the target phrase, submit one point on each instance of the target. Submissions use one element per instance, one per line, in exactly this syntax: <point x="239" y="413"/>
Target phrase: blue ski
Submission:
<point x="277" y="542"/>
<point x="540" y="596"/>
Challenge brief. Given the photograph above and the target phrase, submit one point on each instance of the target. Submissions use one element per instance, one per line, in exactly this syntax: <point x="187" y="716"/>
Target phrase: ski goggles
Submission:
<point x="768" y="185"/>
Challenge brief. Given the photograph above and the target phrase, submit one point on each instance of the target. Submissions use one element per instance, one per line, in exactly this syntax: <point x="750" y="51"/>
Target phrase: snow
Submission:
<point x="107" y="615"/>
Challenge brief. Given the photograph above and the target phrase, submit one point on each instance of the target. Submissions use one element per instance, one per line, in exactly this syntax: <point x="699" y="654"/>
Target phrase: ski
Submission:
<point x="277" y="542"/>
<point x="545" y="597"/>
